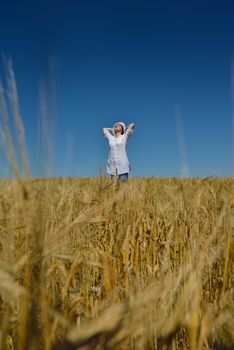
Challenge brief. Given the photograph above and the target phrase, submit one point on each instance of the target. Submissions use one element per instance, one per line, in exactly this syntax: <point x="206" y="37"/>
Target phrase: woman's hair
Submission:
<point x="122" y="125"/>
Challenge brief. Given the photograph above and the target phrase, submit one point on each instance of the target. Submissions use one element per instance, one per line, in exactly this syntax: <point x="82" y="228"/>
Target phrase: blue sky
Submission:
<point x="165" y="65"/>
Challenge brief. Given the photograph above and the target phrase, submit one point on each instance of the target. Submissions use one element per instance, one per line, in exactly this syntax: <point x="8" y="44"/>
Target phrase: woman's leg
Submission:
<point x="115" y="181"/>
<point x="123" y="177"/>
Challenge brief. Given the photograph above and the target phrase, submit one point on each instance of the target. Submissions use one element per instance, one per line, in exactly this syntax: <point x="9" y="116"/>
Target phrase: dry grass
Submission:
<point x="149" y="265"/>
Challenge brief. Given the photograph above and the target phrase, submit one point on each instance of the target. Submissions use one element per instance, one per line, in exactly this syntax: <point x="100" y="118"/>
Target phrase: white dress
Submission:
<point x="117" y="162"/>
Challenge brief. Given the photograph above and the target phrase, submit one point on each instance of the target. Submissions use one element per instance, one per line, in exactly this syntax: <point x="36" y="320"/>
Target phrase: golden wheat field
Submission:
<point x="84" y="265"/>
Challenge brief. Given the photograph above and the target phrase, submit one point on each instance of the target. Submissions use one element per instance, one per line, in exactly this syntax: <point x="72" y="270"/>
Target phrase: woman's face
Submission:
<point x="118" y="128"/>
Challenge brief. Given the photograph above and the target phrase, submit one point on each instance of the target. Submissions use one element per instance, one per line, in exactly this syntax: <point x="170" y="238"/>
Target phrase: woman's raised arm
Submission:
<point x="129" y="130"/>
<point x="107" y="133"/>
<point x="130" y="126"/>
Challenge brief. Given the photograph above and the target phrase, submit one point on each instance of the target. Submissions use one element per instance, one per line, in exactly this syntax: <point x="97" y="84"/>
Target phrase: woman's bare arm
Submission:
<point x="107" y="129"/>
<point x="131" y="126"/>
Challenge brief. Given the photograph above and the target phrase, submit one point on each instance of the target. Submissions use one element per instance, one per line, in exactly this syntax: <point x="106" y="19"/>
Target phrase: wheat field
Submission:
<point x="147" y="266"/>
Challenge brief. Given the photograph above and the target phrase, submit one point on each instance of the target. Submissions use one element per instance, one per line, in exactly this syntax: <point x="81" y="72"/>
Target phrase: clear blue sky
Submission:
<point x="164" y="65"/>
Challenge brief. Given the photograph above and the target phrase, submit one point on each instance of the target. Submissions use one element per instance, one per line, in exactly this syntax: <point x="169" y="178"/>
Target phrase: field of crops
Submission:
<point x="147" y="266"/>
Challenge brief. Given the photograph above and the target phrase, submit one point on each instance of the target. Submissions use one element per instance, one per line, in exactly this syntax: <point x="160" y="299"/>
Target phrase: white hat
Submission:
<point x="121" y="123"/>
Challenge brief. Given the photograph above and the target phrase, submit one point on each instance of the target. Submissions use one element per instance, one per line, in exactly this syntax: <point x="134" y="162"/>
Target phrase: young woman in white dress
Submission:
<point x="117" y="164"/>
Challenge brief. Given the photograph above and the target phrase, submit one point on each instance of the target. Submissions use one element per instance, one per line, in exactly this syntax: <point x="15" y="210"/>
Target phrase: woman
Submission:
<point x="118" y="165"/>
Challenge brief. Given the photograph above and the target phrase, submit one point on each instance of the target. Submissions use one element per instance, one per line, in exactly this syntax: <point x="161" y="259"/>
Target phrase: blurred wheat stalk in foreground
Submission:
<point x="82" y="266"/>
